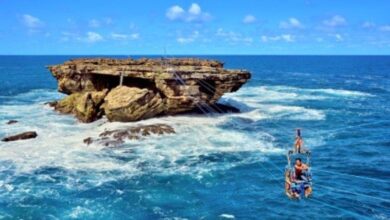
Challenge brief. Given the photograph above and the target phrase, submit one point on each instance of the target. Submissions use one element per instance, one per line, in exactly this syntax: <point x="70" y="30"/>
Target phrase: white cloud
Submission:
<point x="222" y="33"/>
<point x="108" y="20"/>
<point x="291" y="23"/>
<point x="368" y="24"/>
<point x="288" y="38"/>
<point x="249" y="19"/>
<point x="283" y="37"/>
<point x="335" y="21"/>
<point x="193" y="14"/>
<point x="338" y="37"/>
<point x="247" y="40"/>
<point x="175" y="12"/>
<point x="31" y="21"/>
<point x="94" y="23"/>
<point x="119" y="36"/>
<point x="67" y="36"/>
<point x="134" y="36"/>
<point x="384" y="28"/>
<point x="189" y="39"/>
<point x="195" y="9"/>
<point x="233" y="37"/>
<point x="93" y="37"/>
<point x="89" y="37"/>
<point x="185" y="40"/>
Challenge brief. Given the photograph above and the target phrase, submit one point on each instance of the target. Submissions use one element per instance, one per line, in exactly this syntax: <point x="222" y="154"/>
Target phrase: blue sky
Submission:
<point x="195" y="27"/>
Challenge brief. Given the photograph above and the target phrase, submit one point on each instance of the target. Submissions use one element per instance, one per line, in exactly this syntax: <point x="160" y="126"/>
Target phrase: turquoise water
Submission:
<point x="216" y="166"/>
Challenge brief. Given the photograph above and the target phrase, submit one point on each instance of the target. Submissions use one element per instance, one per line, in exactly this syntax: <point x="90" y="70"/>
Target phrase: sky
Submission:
<point x="245" y="27"/>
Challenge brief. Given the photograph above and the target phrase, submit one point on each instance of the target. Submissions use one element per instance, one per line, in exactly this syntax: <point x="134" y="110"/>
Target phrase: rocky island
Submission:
<point x="134" y="89"/>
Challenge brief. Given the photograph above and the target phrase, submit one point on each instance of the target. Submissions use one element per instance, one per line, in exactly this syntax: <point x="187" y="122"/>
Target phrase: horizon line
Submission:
<point x="194" y="55"/>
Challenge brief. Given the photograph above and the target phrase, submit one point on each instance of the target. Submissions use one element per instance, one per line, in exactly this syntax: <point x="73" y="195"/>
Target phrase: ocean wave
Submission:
<point x="277" y="102"/>
<point x="342" y="92"/>
<point x="290" y="94"/>
<point x="32" y="96"/>
<point x="80" y="212"/>
<point x="254" y="115"/>
<point x="200" y="145"/>
<point x="227" y="216"/>
<point x="276" y="112"/>
<point x="271" y="93"/>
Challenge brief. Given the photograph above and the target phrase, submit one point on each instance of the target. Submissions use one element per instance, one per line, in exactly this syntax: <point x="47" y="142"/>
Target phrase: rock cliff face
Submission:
<point x="150" y="87"/>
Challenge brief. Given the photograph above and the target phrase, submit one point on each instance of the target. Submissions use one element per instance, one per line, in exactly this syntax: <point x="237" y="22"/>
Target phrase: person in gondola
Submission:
<point x="298" y="176"/>
<point x="300" y="169"/>
<point x="298" y="143"/>
<point x="289" y="181"/>
<point x="301" y="172"/>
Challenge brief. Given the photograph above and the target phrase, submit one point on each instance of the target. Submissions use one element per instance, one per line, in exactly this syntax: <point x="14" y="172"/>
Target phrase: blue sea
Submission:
<point x="216" y="166"/>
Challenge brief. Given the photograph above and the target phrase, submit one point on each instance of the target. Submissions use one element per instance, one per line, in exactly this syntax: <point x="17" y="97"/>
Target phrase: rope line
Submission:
<point x="354" y="126"/>
<point x="210" y="109"/>
<point x="358" y="194"/>
<point x="359" y="216"/>
<point x="350" y="175"/>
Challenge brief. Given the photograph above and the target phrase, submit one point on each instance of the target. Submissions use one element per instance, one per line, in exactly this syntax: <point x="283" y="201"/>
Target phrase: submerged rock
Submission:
<point x="52" y="103"/>
<point x="217" y="108"/>
<point x="117" y="136"/>
<point x="88" y="140"/>
<point x="150" y="87"/>
<point x="21" y="136"/>
<point x="10" y="122"/>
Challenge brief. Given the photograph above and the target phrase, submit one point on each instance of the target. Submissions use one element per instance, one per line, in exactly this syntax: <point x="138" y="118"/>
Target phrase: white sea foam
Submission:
<point x="227" y="216"/>
<point x="80" y="212"/>
<point x="260" y="94"/>
<point x="254" y="115"/>
<point x="258" y="103"/>
<point x="292" y="112"/>
<point x="341" y="92"/>
<point x="199" y="145"/>
<point x="276" y="112"/>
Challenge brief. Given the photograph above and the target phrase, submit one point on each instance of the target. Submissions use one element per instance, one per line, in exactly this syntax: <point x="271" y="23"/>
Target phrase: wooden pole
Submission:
<point x="121" y="79"/>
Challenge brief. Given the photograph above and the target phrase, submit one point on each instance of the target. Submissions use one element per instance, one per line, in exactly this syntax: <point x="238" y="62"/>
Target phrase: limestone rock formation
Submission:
<point x="131" y="104"/>
<point x="85" y="105"/>
<point x="150" y="87"/>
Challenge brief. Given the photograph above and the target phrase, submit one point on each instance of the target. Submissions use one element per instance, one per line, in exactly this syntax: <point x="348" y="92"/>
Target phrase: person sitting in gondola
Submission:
<point x="301" y="175"/>
<point x="289" y="182"/>
<point x="300" y="169"/>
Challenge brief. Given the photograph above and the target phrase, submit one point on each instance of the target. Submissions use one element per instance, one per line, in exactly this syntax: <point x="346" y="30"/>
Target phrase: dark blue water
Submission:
<point x="216" y="166"/>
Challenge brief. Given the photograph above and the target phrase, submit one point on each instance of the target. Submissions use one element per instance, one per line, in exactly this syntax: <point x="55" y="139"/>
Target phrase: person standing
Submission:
<point x="298" y="144"/>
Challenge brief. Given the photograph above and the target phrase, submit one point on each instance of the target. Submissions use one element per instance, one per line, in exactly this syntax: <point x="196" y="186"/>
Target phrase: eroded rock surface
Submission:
<point x="118" y="136"/>
<point x="150" y="87"/>
<point x="131" y="104"/>
<point x="84" y="105"/>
